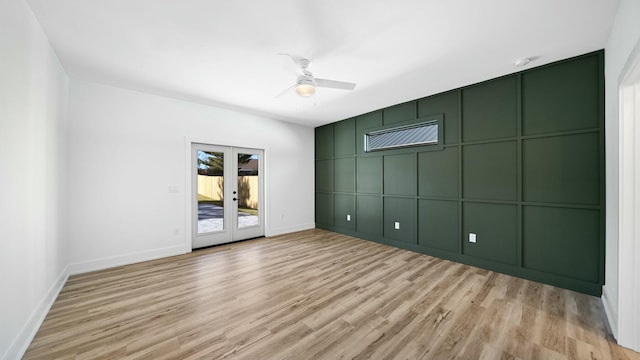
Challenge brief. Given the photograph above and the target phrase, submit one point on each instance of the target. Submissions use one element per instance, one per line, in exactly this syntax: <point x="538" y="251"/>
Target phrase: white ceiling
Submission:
<point x="224" y="53"/>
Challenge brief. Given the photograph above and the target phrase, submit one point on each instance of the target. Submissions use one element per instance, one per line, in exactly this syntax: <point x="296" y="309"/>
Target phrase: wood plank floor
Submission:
<point x="318" y="295"/>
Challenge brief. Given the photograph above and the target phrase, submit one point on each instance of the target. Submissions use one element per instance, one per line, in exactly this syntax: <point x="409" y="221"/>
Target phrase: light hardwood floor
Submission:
<point x="318" y="295"/>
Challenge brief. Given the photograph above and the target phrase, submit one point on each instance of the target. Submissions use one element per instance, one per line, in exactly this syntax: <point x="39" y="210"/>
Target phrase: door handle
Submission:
<point x="234" y="199"/>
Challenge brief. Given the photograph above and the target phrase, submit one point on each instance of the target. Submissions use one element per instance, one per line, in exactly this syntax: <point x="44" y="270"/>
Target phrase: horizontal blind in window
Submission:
<point x="420" y="134"/>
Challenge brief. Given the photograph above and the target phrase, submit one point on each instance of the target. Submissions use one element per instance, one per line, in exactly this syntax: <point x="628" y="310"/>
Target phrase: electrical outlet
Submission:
<point x="396" y="225"/>
<point x="472" y="238"/>
<point x="348" y="217"/>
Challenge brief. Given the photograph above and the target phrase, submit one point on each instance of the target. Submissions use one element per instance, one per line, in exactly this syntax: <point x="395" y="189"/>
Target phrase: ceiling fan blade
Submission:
<point x="284" y="91"/>
<point x="335" y="84"/>
<point x="296" y="59"/>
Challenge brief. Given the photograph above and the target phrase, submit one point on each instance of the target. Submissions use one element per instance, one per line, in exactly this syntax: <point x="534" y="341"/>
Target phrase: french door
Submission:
<point x="228" y="194"/>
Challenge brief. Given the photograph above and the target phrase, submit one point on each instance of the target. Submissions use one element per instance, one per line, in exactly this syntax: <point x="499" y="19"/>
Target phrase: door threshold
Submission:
<point x="227" y="243"/>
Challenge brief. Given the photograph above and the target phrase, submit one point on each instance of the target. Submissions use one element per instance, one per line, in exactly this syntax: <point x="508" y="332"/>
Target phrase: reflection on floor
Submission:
<point x="210" y="218"/>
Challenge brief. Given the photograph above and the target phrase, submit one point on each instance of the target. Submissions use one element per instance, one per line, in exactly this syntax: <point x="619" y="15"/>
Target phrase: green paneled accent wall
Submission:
<point x="399" y="113"/>
<point x="562" y="169"/>
<point x="400" y="211"/>
<point x="345" y="205"/>
<point x="438" y="225"/>
<point x="345" y="174"/>
<point x="400" y="174"/>
<point x="324" y="209"/>
<point x="344" y="142"/>
<point x="489" y="110"/>
<point x="443" y="163"/>
<point x="490" y="171"/>
<point x="324" y="175"/>
<point x="369" y="175"/>
<point x="369" y="216"/>
<point x="572" y="104"/>
<point x="496" y="228"/>
<point x="521" y="165"/>
<point x="576" y="255"/>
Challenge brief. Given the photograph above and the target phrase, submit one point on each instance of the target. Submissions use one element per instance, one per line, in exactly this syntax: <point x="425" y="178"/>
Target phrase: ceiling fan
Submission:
<point x="306" y="83"/>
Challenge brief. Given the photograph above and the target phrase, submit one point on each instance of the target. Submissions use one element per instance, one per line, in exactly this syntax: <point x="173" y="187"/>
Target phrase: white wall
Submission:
<point x="33" y="105"/>
<point x="624" y="35"/>
<point x="118" y="138"/>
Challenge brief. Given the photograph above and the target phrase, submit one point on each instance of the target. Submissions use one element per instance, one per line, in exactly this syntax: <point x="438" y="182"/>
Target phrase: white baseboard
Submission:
<point x="28" y="332"/>
<point x="289" y="229"/>
<point x="126" y="259"/>
<point x="611" y="310"/>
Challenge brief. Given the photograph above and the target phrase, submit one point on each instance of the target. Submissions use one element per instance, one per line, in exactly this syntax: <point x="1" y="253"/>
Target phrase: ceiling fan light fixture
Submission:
<point x="305" y="90"/>
<point x="305" y="87"/>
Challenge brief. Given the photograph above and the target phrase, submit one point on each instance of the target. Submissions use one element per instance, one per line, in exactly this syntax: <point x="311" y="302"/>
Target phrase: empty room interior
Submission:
<point x="319" y="180"/>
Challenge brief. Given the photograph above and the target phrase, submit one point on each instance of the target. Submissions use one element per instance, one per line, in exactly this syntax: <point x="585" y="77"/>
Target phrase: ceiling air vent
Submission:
<point x="403" y="136"/>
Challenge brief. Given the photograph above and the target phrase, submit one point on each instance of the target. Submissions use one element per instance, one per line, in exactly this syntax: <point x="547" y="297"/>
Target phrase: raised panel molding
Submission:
<point x="489" y="110"/>
<point x="495" y="227"/>
<point x="438" y="173"/>
<point x="561" y="97"/>
<point x="573" y="234"/>
<point x="345" y="174"/>
<point x="324" y="175"/>
<point x="400" y="174"/>
<point x="438" y="224"/>
<point x="345" y="205"/>
<point x="400" y="219"/>
<point x="490" y="171"/>
<point x="324" y="209"/>
<point x="369" y="175"/>
<point x="369" y="210"/>
<point x="562" y="169"/>
<point x="344" y="143"/>
<point x="399" y="113"/>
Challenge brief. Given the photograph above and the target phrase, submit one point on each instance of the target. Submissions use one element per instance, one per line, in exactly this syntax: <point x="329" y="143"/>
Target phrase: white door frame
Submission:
<point x="188" y="185"/>
<point x="628" y="332"/>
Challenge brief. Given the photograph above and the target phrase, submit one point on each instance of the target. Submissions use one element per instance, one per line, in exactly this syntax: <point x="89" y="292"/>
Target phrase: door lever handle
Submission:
<point x="234" y="199"/>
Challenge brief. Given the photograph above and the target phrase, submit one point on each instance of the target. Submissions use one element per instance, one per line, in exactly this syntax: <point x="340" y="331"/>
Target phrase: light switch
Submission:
<point x="396" y="225"/>
<point x="348" y="217"/>
<point x="472" y="237"/>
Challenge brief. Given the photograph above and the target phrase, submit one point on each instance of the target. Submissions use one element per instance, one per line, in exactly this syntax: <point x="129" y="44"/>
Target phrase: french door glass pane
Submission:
<point x="248" y="188"/>
<point x="210" y="191"/>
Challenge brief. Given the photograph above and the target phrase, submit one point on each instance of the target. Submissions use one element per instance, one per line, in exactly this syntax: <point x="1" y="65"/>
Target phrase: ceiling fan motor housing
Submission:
<point x="305" y="80"/>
